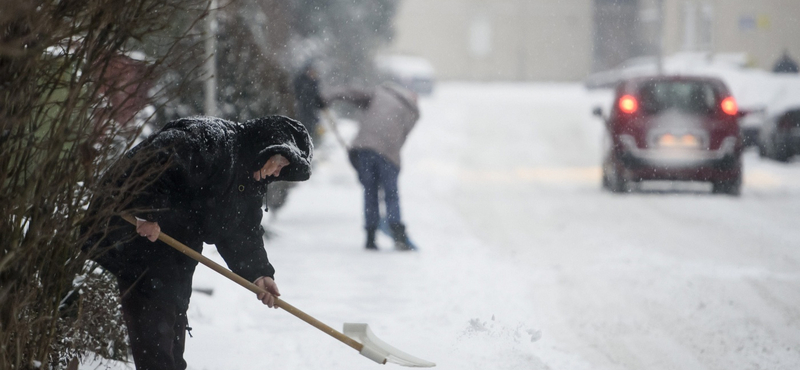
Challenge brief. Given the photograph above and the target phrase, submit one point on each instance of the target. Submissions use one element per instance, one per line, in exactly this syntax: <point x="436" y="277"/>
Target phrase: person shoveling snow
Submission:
<point x="201" y="179"/>
<point x="389" y="113"/>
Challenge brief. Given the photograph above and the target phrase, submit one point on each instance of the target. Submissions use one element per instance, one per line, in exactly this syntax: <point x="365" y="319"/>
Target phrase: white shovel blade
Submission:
<point x="378" y="351"/>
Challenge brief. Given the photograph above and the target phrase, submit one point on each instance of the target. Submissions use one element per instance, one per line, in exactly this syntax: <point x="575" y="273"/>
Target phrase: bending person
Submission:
<point x="199" y="179"/>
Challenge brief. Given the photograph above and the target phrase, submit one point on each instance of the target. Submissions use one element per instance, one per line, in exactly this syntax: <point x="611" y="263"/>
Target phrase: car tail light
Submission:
<point x="729" y="106"/>
<point x="628" y="104"/>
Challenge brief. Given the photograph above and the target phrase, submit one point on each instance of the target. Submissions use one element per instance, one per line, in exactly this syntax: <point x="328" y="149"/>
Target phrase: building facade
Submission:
<point x="497" y="39"/>
<point x="543" y="40"/>
<point x="762" y="29"/>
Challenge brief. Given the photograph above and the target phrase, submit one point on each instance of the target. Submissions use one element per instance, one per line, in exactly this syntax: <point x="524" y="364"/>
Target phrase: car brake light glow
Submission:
<point x="628" y="104"/>
<point x="729" y="106"/>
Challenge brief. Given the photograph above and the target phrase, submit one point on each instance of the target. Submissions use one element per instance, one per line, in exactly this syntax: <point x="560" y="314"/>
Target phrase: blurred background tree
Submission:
<point x="261" y="44"/>
<point x="343" y="35"/>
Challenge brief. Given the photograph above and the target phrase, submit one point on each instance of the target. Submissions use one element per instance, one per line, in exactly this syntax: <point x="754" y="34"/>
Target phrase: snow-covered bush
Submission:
<point x="70" y="90"/>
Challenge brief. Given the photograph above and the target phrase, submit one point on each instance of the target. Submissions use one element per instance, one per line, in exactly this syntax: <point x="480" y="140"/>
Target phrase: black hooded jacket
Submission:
<point x="205" y="192"/>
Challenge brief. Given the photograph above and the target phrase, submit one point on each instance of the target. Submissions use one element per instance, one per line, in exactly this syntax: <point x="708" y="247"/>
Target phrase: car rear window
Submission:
<point x="696" y="97"/>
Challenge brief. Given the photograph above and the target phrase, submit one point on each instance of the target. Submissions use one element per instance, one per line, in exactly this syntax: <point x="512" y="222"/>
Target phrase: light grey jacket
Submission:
<point x="389" y="112"/>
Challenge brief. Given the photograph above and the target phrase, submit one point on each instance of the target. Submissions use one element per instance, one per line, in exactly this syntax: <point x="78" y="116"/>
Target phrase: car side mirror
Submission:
<point x="597" y="111"/>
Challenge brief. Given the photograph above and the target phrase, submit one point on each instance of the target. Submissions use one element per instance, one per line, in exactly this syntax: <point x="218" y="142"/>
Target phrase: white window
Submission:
<point x="480" y="37"/>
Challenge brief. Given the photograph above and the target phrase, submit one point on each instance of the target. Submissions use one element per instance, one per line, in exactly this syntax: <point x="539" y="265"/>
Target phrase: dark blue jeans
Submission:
<point x="376" y="172"/>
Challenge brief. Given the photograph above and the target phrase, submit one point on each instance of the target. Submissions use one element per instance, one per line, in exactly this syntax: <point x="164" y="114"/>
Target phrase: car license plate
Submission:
<point x="686" y="141"/>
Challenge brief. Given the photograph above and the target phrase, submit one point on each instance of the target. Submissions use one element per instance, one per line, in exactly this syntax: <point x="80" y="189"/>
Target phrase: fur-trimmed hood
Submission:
<point x="261" y="138"/>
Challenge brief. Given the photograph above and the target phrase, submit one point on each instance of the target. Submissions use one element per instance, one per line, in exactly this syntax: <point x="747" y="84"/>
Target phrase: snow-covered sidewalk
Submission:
<point x="452" y="303"/>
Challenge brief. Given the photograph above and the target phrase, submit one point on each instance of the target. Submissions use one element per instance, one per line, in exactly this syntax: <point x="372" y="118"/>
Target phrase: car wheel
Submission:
<point x="762" y="150"/>
<point x="782" y="153"/>
<point x="605" y="184"/>
<point x="614" y="180"/>
<point x="776" y="149"/>
<point x="730" y="187"/>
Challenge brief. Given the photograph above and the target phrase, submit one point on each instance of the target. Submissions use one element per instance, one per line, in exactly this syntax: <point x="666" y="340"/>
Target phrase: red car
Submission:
<point x="673" y="128"/>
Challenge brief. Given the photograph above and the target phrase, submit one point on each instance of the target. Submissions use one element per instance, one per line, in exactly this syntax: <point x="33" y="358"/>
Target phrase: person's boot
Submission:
<point x="371" y="240"/>
<point x="400" y="237"/>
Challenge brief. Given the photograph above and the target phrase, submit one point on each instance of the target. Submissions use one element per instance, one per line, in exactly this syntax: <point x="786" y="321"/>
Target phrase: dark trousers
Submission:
<point x="376" y="172"/>
<point x="156" y="329"/>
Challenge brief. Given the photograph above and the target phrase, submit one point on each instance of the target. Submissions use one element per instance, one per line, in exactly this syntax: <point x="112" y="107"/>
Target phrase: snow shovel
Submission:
<point x="357" y="336"/>
<point x="331" y="122"/>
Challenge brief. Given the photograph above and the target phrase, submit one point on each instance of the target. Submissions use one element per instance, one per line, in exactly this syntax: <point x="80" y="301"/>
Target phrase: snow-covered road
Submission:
<point x="671" y="278"/>
<point x="525" y="262"/>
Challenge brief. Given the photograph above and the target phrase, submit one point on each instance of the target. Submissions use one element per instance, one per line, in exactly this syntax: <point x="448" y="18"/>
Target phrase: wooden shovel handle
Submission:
<point x="252" y="287"/>
<point x="334" y="127"/>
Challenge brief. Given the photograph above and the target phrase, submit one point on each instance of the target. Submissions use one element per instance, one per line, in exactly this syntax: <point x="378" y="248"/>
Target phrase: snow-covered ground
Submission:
<point x="525" y="263"/>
